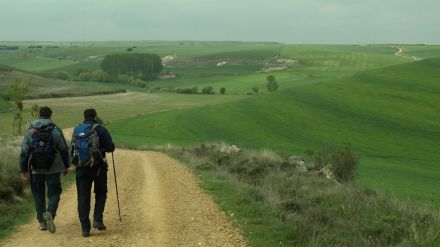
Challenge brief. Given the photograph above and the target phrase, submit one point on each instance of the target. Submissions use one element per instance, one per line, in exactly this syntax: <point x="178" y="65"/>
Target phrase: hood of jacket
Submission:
<point x="41" y="123"/>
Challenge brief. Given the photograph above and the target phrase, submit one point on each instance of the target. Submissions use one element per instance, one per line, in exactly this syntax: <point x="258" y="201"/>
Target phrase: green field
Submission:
<point x="385" y="105"/>
<point x="67" y="112"/>
<point x="43" y="87"/>
<point x="389" y="115"/>
<point x="315" y="63"/>
<point x="4" y="105"/>
<point x="424" y="51"/>
<point x="196" y="62"/>
<point x="37" y="64"/>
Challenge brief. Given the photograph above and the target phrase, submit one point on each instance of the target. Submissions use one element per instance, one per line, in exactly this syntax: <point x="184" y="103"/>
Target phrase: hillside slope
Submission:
<point x="43" y="87"/>
<point x="390" y="115"/>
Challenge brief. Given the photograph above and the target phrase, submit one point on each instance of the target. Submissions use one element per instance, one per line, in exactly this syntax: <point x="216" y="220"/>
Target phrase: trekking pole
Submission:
<point x="116" y="185"/>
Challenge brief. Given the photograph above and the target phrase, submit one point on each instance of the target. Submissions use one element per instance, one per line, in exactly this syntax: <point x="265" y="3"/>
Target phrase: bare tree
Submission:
<point x="17" y="93"/>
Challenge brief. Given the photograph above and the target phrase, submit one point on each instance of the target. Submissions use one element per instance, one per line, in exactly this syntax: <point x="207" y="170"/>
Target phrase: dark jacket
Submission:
<point x="105" y="139"/>
<point x="61" y="160"/>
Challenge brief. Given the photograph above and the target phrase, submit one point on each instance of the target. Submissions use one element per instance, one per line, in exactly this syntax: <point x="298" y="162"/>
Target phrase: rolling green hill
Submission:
<point x="424" y="51"/>
<point x="314" y="63"/>
<point x="390" y="115"/>
<point x="195" y="63"/>
<point x="44" y="87"/>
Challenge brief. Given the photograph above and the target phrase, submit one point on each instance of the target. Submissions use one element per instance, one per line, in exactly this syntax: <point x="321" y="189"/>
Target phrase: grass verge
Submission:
<point x="16" y="202"/>
<point x="282" y="201"/>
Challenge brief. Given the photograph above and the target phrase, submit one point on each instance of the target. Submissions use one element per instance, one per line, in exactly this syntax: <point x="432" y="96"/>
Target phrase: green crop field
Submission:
<point x="423" y="51"/>
<point x="390" y="116"/>
<point x="68" y="111"/>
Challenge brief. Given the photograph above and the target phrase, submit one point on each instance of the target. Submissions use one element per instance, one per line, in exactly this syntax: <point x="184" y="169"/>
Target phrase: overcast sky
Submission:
<point x="289" y="21"/>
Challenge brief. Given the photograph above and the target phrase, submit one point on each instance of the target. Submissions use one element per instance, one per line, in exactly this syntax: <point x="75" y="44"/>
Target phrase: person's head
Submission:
<point x="90" y="114"/>
<point x="45" y="112"/>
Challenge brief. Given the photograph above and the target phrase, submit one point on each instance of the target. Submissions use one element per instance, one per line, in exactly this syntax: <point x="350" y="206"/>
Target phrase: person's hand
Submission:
<point x="66" y="171"/>
<point x="25" y="176"/>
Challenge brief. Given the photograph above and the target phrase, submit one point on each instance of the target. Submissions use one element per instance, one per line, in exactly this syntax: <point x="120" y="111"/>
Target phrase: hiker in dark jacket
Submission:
<point x="97" y="174"/>
<point x="44" y="156"/>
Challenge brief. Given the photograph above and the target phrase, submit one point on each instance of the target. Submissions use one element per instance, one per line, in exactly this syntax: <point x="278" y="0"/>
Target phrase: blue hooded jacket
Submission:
<point x="105" y="139"/>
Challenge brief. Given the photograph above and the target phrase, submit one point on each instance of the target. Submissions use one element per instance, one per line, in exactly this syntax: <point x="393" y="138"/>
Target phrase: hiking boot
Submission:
<point x="49" y="222"/>
<point x="99" y="225"/>
<point x="43" y="226"/>
<point x="86" y="234"/>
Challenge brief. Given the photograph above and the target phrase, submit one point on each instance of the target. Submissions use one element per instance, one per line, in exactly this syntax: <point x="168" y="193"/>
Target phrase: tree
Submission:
<point x="272" y="84"/>
<point x="256" y="90"/>
<point x="146" y="66"/>
<point x="207" y="90"/>
<point x="60" y="74"/>
<point x="222" y="90"/>
<point x="17" y="93"/>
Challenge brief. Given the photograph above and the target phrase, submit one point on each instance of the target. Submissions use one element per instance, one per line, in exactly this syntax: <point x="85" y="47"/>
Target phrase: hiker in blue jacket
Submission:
<point x="44" y="156"/>
<point x="91" y="168"/>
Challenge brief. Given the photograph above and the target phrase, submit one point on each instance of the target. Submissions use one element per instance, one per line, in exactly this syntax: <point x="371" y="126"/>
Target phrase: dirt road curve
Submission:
<point x="161" y="206"/>
<point x="401" y="53"/>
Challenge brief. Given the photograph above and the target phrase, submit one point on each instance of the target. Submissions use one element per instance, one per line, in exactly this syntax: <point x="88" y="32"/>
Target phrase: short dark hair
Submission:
<point x="90" y="113"/>
<point x="45" y="112"/>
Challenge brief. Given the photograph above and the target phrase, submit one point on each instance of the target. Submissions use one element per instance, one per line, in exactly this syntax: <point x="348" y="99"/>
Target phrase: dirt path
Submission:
<point x="161" y="206"/>
<point x="401" y="53"/>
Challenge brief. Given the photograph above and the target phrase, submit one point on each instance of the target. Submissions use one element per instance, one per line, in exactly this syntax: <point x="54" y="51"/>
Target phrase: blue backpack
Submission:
<point x="42" y="147"/>
<point x="85" y="144"/>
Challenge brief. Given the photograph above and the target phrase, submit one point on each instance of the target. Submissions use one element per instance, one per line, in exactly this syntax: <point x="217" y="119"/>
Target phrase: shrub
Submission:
<point x="344" y="163"/>
<point x="60" y="74"/>
<point x="124" y="78"/>
<point x="10" y="181"/>
<point x="222" y="90"/>
<point x="85" y="76"/>
<point x="101" y="76"/>
<point x="256" y="90"/>
<point x="208" y="90"/>
<point x="155" y="89"/>
<point x="341" y="161"/>
<point x="81" y="70"/>
<point x="193" y="90"/>
<point x="320" y="157"/>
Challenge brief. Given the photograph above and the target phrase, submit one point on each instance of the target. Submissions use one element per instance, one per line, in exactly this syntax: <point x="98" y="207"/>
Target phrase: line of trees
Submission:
<point x="145" y="66"/>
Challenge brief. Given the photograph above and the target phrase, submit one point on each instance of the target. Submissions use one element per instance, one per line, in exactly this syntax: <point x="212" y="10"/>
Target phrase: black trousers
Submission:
<point x="38" y="188"/>
<point x="85" y="177"/>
